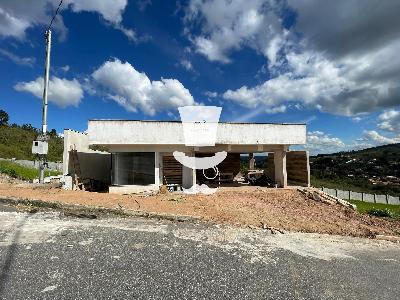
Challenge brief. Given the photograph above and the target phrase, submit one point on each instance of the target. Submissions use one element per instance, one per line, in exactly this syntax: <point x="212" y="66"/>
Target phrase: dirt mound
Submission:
<point x="286" y="209"/>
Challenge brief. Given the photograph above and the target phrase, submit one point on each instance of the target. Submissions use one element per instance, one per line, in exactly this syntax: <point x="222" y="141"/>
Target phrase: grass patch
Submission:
<point x="15" y="170"/>
<point x="378" y="209"/>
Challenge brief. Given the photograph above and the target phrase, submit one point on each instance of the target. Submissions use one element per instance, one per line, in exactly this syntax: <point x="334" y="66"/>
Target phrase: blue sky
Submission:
<point x="332" y="66"/>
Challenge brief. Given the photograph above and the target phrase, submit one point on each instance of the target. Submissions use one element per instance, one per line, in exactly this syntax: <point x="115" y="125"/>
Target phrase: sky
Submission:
<point x="330" y="64"/>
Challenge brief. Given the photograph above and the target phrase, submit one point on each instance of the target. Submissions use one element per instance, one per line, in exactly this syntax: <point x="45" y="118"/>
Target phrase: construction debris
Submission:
<point x="273" y="230"/>
<point x="321" y="196"/>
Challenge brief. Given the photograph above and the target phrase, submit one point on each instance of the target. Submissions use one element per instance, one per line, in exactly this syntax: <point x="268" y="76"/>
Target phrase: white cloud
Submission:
<point x="132" y="89"/>
<point x="143" y="4"/>
<point x="390" y="120"/>
<point x="319" y="83"/>
<point x="23" y="61"/>
<point x="227" y="26"/>
<point x="210" y="49"/>
<point x="12" y="26"/>
<point x="211" y="94"/>
<point x="187" y="64"/>
<point x="253" y="113"/>
<point x="248" y="116"/>
<point x="111" y="10"/>
<point x="379" y="139"/>
<point x="62" y="92"/>
<point x="320" y="142"/>
<point x="371" y="138"/>
<point x="16" y="16"/>
<point x="65" y="68"/>
<point x="345" y="69"/>
<point x="276" y="109"/>
<point x="130" y="33"/>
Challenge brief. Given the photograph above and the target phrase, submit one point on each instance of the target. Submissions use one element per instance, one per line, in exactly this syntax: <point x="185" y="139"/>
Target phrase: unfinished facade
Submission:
<point x="141" y="157"/>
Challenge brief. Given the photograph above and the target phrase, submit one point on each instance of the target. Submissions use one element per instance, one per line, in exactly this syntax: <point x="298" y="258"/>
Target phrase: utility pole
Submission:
<point x="40" y="146"/>
<point x="43" y="136"/>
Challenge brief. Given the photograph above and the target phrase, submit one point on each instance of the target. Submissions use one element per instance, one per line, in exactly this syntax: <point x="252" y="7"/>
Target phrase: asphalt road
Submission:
<point x="49" y="256"/>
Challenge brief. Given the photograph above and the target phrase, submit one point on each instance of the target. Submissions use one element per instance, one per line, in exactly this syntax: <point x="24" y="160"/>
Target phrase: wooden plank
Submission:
<point x="172" y="170"/>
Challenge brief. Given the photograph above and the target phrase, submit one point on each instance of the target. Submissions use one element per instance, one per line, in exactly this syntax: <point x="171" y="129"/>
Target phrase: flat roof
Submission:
<point x="148" y="132"/>
<point x="175" y="121"/>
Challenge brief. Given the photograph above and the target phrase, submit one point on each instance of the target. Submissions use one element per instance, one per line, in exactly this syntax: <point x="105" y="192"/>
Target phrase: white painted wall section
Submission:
<point x="115" y="132"/>
<point x="73" y="140"/>
<point x="93" y="164"/>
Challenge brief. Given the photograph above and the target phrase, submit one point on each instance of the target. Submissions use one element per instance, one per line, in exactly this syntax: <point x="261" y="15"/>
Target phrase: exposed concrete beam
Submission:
<point x="171" y="148"/>
<point x="169" y="133"/>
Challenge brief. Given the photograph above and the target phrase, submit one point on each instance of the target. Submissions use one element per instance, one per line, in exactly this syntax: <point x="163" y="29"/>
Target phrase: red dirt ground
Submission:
<point x="286" y="209"/>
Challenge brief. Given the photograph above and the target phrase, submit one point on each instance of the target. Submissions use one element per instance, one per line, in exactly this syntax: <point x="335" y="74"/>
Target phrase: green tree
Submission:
<point x="3" y="117"/>
<point x="53" y="133"/>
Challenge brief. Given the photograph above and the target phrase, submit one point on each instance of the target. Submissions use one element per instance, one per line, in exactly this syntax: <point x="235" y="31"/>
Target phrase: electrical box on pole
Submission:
<point x="40" y="147"/>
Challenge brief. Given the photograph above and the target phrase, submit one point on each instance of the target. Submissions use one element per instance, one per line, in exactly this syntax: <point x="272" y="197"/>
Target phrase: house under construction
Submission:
<point x="139" y="157"/>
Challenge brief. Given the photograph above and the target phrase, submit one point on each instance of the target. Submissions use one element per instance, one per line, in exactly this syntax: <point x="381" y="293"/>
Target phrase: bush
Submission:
<point x="380" y="212"/>
<point x="10" y="172"/>
<point x="14" y="170"/>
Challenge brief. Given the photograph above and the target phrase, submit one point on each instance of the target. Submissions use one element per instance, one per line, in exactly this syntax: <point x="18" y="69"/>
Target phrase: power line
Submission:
<point x="55" y="14"/>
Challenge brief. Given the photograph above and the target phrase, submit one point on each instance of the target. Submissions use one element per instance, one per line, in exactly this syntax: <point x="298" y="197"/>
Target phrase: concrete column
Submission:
<point x="308" y="169"/>
<point x="66" y="152"/>
<point x="194" y="177"/>
<point x="188" y="175"/>
<point x="252" y="161"/>
<point x="280" y="168"/>
<point x="157" y="172"/>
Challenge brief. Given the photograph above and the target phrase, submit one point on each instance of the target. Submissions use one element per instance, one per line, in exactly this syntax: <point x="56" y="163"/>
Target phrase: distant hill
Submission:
<point x="16" y="142"/>
<point x="374" y="169"/>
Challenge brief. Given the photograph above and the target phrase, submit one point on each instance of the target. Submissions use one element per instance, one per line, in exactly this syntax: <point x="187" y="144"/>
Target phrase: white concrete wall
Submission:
<point x="109" y="132"/>
<point x="73" y="140"/>
<point x="93" y="164"/>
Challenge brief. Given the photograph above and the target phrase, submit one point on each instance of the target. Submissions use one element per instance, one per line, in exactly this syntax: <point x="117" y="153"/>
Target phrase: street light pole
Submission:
<point x="40" y="146"/>
<point x="43" y="136"/>
<point x="46" y="80"/>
